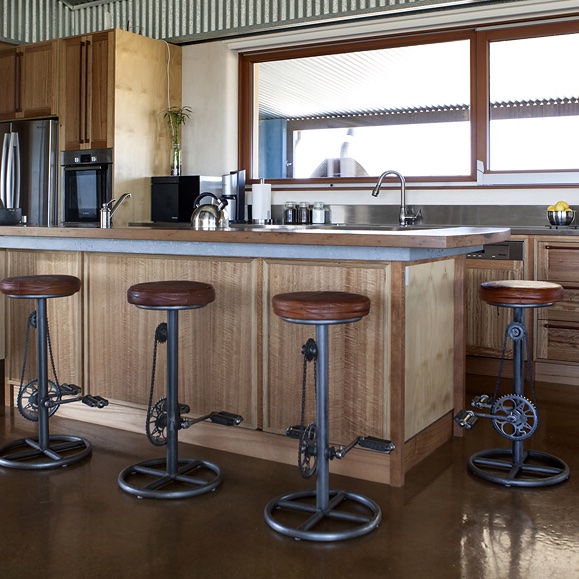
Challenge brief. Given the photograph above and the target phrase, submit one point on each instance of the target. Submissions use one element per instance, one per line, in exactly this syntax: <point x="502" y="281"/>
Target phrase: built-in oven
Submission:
<point x="87" y="183"/>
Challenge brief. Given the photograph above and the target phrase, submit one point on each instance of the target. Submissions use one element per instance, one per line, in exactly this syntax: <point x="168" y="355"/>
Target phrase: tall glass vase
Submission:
<point x="176" y="160"/>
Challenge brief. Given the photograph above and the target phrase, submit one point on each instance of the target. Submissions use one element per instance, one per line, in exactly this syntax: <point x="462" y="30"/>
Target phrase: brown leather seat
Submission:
<point x="40" y="285"/>
<point x="171" y="294"/>
<point x="321" y="305"/>
<point x="521" y="292"/>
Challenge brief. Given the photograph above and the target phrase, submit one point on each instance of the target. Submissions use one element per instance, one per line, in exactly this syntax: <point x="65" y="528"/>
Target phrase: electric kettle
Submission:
<point x="209" y="215"/>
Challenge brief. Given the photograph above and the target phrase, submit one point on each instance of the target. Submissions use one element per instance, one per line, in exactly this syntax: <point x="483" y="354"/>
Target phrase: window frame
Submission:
<point x="480" y="38"/>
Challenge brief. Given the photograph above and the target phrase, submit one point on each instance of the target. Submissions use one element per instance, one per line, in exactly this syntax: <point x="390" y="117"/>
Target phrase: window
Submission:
<point x="534" y="104"/>
<point x="416" y="104"/>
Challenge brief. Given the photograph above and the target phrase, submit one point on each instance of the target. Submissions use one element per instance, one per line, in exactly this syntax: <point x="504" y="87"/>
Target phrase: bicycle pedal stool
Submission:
<point x="46" y="450"/>
<point x="512" y="415"/>
<point x="321" y="309"/>
<point x="171" y="477"/>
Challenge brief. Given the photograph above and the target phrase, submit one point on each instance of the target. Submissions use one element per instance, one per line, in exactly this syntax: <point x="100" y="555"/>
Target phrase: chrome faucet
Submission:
<point x="404" y="217"/>
<point x="107" y="211"/>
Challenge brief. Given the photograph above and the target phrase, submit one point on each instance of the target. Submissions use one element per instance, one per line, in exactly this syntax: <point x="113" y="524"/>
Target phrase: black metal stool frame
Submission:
<point x="327" y="501"/>
<point x="548" y="469"/>
<point x="176" y="469"/>
<point x="58" y="450"/>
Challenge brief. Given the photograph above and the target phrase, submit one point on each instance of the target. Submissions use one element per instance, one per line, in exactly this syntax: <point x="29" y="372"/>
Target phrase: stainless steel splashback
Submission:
<point x="464" y="215"/>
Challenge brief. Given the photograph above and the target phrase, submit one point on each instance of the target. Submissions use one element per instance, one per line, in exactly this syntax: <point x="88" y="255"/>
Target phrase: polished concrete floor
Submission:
<point x="75" y="522"/>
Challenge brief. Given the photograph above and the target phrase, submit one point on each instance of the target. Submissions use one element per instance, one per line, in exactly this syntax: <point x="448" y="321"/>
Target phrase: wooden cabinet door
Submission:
<point x="39" y="80"/>
<point x="99" y="101"/>
<point x="9" y="93"/>
<point x="486" y="324"/>
<point x="72" y="98"/>
<point x="86" y="97"/>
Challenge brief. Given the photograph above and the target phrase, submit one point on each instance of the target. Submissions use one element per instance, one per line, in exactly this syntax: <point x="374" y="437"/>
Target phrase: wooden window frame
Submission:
<point x="479" y="37"/>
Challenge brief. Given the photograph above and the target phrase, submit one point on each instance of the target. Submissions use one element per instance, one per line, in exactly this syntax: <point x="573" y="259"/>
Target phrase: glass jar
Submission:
<point x="290" y="213"/>
<point x="304" y="213"/>
<point x="318" y="213"/>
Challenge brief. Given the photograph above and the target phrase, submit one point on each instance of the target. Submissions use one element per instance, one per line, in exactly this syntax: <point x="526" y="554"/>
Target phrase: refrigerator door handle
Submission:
<point x="16" y="170"/>
<point x="4" y="168"/>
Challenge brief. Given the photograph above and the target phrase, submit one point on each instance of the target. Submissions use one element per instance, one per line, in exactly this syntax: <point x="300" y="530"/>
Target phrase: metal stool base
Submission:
<point x="187" y="467"/>
<point x="28" y="454"/>
<point x="360" y="523"/>
<point x="536" y="469"/>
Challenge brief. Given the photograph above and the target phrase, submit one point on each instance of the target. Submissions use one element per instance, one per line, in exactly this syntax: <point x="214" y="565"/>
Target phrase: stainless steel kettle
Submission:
<point x="209" y="215"/>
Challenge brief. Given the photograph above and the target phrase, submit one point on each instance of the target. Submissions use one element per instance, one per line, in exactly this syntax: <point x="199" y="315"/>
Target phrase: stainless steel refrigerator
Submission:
<point x="29" y="169"/>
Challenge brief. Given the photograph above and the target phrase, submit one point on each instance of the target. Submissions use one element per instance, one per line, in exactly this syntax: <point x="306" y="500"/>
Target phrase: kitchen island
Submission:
<point x="398" y="374"/>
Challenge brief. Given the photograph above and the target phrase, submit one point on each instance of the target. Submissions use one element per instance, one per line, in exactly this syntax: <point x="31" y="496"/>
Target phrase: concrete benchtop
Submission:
<point x="324" y="243"/>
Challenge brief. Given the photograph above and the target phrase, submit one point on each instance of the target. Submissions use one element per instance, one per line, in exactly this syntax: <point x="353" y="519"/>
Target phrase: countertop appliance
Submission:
<point x="505" y="250"/>
<point x="87" y="184"/>
<point x="29" y="169"/>
<point x="173" y="197"/>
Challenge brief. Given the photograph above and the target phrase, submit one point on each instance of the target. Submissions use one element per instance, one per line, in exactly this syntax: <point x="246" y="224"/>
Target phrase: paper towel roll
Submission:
<point x="261" y="202"/>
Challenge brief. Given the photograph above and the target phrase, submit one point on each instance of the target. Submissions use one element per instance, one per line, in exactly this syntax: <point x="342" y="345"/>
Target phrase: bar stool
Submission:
<point x="514" y="416"/>
<point x="323" y="309"/>
<point x="45" y="450"/>
<point x="172" y="477"/>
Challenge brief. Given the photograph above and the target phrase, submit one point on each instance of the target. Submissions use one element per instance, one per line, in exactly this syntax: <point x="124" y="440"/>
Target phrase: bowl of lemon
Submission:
<point x="560" y="214"/>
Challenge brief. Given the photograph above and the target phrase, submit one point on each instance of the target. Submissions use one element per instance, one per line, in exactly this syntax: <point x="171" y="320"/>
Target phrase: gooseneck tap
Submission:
<point x="107" y="211"/>
<point x="404" y="217"/>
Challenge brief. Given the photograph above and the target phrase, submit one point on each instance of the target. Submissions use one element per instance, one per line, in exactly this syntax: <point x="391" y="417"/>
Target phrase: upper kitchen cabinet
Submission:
<point x="87" y="89"/>
<point x="29" y="81"/>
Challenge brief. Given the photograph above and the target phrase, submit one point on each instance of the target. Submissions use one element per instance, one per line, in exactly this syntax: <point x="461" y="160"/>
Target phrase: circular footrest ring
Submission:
<point x="358" y="521"/>
<point x="193" y="477"/>
<point x="536" y="469"/>
<point x="28" y="454"/>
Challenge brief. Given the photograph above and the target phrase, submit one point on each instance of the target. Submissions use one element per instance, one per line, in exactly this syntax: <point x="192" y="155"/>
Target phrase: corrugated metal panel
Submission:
<point x="185" y="20"/>
<point x="33" y="20"/>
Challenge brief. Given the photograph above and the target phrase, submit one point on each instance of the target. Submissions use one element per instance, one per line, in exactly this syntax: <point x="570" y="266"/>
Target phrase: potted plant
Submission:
<point x="176" y="116"/>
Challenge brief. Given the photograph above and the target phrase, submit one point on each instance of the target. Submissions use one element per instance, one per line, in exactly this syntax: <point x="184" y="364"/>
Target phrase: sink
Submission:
<point x="335" y="227"/>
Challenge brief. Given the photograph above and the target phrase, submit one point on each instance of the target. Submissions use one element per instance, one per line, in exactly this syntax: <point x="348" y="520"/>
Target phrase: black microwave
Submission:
<point x="87" y="183"/>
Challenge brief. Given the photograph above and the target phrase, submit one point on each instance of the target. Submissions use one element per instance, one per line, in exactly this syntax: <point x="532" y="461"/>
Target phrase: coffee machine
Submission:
<point x="233" y="190"/>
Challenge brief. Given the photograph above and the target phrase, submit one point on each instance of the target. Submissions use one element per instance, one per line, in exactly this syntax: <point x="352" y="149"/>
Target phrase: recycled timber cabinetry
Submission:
<point x="398" y="374"/>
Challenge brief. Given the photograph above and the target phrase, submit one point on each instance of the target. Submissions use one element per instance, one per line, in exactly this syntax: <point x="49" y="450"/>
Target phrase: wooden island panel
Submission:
<point x="217" y="354"/>
<point x="359" y="375"/>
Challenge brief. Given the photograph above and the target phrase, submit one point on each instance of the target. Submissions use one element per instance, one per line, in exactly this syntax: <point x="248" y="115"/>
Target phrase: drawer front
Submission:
<point x="558" y="340"/>
<point x="558" y="262"/>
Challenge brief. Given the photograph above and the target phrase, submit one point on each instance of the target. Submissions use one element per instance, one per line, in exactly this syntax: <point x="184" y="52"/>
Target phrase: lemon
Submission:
<point x="561" y="206"/>
<point x="551" y="208"/>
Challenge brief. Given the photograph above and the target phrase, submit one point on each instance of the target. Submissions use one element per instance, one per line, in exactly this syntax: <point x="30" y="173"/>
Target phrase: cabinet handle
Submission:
<point x="569" y="248"/>
<point x="569" y="287"/>
<point x="81" y="92"/>
<point x="18" y="84"/>
<point x="87" y="112"/>
<point x="556" y="327"/>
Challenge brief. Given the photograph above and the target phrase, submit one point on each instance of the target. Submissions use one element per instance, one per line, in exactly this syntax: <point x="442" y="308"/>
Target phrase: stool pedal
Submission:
<point x="465" y="419"/>
<point x="225" y="418"/>
<point x="295" y="431"/>
<point x="94" y="401"/>
<point x="378" y="444"/>
<point x="69" y="390"/>
<point x="482" y="401"/>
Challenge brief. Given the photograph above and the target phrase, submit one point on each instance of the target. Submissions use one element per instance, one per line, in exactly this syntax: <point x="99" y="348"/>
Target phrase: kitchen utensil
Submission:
<point x="209" y="215"/>
<point x="561" y="217"/>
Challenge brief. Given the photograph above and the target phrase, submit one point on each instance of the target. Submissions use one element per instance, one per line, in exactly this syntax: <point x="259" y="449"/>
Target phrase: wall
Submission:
<point x="209" y="138"/>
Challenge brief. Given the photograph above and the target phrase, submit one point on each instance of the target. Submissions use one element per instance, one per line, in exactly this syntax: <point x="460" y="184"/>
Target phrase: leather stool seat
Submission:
<point x="32" y="286"/>
<point x="321" y="306"/>
<point x="171" y="294"/>
<point x="521" y="293"/>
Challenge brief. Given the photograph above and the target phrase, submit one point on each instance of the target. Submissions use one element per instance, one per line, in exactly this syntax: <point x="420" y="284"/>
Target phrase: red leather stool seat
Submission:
<point x="321" y="305"/>
<point x="40" y="286"/>
<point x="171" y="294"/>
<point x="521" y="292"/>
